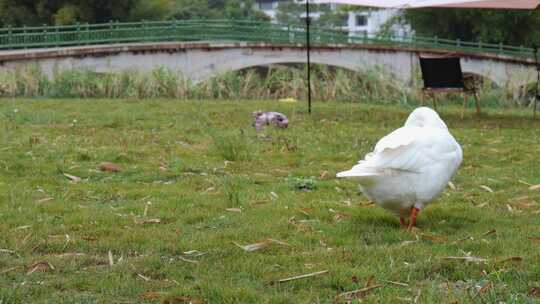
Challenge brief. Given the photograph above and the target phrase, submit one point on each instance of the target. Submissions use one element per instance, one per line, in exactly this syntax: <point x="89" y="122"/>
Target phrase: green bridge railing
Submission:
<point x="226" y="30"/>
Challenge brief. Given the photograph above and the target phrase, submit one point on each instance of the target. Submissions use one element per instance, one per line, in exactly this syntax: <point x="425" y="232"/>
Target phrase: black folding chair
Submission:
<point x="442" y="74"/>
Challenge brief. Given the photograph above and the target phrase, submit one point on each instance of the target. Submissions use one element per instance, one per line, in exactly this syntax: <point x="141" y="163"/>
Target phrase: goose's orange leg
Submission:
<point x="414" y="214"/>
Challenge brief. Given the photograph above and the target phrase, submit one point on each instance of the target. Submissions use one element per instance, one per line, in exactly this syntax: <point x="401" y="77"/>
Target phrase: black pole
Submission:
<point x="308" y="46"/>
<point x="537" y="93"/>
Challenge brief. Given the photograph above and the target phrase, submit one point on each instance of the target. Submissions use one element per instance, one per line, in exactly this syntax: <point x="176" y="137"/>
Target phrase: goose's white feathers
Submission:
<point x="411" y="166"/>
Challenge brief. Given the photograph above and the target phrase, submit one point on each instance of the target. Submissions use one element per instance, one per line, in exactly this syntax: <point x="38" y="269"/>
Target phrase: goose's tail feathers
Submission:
<point x="360" y="172"/>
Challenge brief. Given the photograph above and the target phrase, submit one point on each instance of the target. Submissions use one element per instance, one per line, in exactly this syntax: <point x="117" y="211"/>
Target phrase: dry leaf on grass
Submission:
<point x="488" y="189"/>
<point x="369" y="281"/>
<point x="145" y="278"/>
<point x="9" y="269"/>
<point x="188" y="260"/>
<point x="367" y="205"/>
<point x="415" y="301"/>
<point x="471" y="259"/>
<point x="69" y="254"/>
<point x="148" y="221"/>
<point x="534" y="187"/>
<point x="261" y="245"/>
<point x="469" y="238"/>
<point x="42" y="266"/>
<point x="355" y="294"/>
<point x="520" y="198"/>
<point x="7" y="251"/>
<point x="490" y="232"/>
<point x="252" y="247"/>
<point x="433" y="238"/>
<point x="44" y="200"/>
<point x="109" y="167"/>
<point x="89" y="238"/>
<point x="397" y="283"/>
<point x="324" y="174"/>
<point x="515" y="259"/>
<point x="485" y="288"/>
<point x="534" y="292"/>
<point x="451" y="185"/>
<point x="525" y="204"/>
<point x="303" y="276"/>
<point x="278" y="242"/>
<point x="405" y="243"/>
<point x="72" y="178"/>
<point x="535" y="239"/>
<point x="238" y="210"/>
<point x="524" y="182"/>
<point x="182" y="300"/>
<point x="208" y="190"/>
<point x="194" y="253"/>
<point x="111" y="258"/>
<point x="338" y="217"/>
<point x="151" y="296"/>
<point x="305" y="211"/>
<point x="410" y="299"/>
<point x="347" y="203"/>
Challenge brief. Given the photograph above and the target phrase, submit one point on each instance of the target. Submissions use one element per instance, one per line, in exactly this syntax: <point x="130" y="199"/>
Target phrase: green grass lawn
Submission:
<point x="197" y="183"/>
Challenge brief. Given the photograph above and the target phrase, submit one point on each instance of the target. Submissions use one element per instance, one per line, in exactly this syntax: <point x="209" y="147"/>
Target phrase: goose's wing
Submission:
<point x="411" y="149"/>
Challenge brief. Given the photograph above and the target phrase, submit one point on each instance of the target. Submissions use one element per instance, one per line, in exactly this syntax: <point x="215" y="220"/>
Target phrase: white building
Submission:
<point x="356" y="22"/>
<point x="269" y="7"/>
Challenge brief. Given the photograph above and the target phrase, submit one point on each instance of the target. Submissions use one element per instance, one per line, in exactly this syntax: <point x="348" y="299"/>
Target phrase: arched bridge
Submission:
<point x="200" y="50"/>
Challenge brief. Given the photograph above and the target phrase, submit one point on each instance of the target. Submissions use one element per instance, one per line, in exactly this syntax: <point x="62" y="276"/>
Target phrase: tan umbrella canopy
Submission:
<point x="406" y="4"/>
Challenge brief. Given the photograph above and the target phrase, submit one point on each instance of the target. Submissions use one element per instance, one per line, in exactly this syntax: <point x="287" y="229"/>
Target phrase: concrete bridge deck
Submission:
<point x="201" y="60"/>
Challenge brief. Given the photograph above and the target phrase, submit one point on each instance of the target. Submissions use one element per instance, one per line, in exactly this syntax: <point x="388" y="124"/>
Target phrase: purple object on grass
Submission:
<point x="269" y="118"/>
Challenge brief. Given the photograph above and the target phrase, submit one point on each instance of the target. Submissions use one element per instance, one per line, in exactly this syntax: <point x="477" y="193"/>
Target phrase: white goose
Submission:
<point x="409" y="167"/>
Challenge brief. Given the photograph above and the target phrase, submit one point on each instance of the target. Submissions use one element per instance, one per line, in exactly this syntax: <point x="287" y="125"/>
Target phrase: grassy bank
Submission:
<point x="197" y="183"/>
<point x="328" y="84"/>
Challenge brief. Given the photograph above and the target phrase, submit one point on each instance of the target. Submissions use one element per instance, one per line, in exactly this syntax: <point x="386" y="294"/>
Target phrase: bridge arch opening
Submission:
<point x="329" y="82"/>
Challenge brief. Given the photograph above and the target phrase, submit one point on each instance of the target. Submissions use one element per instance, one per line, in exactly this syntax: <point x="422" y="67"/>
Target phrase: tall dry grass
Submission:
<point x="328" y="83"/>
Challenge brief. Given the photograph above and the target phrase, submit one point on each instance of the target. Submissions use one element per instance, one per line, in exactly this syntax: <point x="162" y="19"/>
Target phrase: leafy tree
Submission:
<point x="68" y="14"/>
<point x="28" y="12"/>
<point x="191" y="9"/>
<point x="38" y="12"/>
<point x="243" y="10"/>
<point x="330" y="18"/>
<point x="492" y="26"/>
<point x="216" y="4"/>
<point x="290" y="13"/>
<point x="151" y="9"/>
<point x="294" y="13"/>
<point x="15" y="13"/>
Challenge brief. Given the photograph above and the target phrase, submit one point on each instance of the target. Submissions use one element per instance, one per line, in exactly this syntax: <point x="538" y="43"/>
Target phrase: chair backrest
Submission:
<point x="441" y="72"/>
